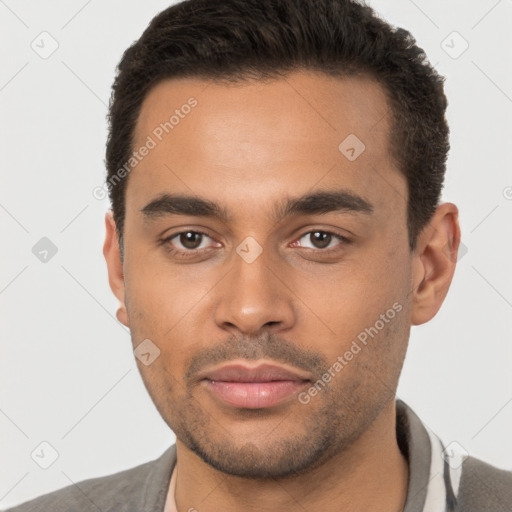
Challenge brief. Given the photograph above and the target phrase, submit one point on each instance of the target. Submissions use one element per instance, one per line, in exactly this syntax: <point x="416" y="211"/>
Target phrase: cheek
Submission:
<point x="364" y="296"/>
<point x="159" y="298"/>
<point x="168" y="309"/>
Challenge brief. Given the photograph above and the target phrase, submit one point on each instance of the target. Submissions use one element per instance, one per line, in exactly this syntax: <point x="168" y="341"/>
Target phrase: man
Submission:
<point x="275" y="169"/>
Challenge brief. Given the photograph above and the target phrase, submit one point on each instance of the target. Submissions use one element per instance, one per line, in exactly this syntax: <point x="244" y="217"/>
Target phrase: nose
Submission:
<point x="254" y="296"/>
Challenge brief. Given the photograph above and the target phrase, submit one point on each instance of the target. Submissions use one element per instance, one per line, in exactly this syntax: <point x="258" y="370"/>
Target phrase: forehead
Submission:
<point x="247" y="141"/>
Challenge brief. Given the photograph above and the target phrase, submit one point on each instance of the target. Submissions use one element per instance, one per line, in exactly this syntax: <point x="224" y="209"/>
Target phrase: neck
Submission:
<point x="370" y="475"/>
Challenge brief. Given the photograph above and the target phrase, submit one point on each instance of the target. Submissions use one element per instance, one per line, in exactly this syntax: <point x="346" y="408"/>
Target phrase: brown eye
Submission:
<point x="187" y="242"/>
<point x="321" y="240"/>
<point x="190" y="239"/>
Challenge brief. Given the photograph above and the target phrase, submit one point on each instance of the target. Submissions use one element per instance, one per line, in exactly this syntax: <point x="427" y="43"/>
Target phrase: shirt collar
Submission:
<point x="428" y="485"/>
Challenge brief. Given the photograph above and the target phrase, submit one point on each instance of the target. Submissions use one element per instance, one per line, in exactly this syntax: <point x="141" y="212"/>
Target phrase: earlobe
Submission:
<point x="122" y="315"/>
<point x="434" y="262"/>
<point x="115" y="267"/>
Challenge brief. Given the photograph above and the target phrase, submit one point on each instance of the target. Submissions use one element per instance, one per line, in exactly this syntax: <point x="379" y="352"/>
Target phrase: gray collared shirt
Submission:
<point x="441" y="479"/>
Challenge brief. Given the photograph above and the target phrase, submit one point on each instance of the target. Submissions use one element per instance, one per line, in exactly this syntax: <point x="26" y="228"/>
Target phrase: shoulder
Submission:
<point x="484" y="488"/>
<point x="102" y="493"/>
<point x="125" y="491"/>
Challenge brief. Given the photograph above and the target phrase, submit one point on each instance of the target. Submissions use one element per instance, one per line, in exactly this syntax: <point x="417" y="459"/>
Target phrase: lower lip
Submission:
<point x="254" y="395"/>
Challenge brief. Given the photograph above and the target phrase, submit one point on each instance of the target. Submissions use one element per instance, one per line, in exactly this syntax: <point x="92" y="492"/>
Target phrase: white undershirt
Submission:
<point x="170" y="502"/>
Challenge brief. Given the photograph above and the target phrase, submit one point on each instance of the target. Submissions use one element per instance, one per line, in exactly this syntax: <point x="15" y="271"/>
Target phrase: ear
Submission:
<point x="434" y="261"/>
<point x="115" y="267"/>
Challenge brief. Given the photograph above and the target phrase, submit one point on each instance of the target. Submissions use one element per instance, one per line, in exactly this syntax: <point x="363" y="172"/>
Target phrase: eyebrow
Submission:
<point x="316" y="203"/>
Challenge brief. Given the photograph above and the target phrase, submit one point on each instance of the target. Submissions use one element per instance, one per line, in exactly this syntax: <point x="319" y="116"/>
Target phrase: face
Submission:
<point x="317" y="289"/>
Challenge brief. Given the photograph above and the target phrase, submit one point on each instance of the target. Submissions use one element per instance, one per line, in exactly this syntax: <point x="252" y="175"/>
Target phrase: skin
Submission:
<point x="248" y="146"/>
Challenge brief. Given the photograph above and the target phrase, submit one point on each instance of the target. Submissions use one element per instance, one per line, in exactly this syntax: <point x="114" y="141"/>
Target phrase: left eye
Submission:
<point x="321" y="239"/>
<point x="190" y="240"/>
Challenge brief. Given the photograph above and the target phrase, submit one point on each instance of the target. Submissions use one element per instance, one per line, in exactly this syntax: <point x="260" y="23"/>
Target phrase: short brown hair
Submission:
<point x="238" y="39"/>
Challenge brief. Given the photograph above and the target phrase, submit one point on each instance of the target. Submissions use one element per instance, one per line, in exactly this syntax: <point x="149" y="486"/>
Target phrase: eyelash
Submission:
<point x="193" y="252"/>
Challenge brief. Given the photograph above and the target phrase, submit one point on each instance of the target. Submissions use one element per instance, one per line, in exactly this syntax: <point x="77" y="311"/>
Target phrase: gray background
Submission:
<point x="68" y="376"/>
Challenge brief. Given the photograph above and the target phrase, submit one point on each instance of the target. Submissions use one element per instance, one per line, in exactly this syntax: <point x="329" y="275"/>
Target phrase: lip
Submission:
<point x="256" y="387"/>
<point x="263" y="372"/>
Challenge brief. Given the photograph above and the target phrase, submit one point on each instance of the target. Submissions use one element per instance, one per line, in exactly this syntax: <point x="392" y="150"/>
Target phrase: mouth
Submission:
<point x="258" y="387"/>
